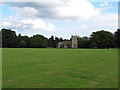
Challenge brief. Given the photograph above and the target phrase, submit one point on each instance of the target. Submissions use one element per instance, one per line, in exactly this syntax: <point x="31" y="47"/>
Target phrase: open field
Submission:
<point x="60" y="68"/>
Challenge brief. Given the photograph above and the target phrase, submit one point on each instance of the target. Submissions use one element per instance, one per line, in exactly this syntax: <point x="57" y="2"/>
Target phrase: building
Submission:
<point x="69" y="44"/>
<point x="64" y="44"/>
<point x="74" y="41"/>
<point x="59" y="45"/>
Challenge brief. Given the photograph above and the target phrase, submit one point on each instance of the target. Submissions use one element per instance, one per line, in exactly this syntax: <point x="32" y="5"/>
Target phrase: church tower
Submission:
<point x="74" y="41"/>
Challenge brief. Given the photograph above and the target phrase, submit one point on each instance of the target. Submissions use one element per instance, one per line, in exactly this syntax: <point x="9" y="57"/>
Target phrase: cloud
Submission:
<point x="104" y="4"/>
<point x="108" y="17"/>
<point x="35" y="24"/>
<point x="27" y="12"/>
<point x="77" y="9"/>
<point x="69" y="16"/>
<point x="56" y="9"/>
<point x="83" y="27"/>
<point x="11" y="22"/>
<point x="106" y="21"/>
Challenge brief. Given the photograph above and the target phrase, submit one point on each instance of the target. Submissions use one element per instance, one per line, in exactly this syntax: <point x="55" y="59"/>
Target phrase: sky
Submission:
<point x="61" y="18"/>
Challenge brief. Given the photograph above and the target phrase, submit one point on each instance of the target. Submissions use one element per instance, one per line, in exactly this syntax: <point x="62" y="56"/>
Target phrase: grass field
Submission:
<point x="60" y="68"/>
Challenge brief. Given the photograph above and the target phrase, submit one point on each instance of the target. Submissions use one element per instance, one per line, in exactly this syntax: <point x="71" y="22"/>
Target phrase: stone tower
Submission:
<point x="74" y="41"/>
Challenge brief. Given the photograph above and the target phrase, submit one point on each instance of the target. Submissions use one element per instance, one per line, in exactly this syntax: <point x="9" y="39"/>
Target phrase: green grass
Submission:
<point x="60" y="68"/>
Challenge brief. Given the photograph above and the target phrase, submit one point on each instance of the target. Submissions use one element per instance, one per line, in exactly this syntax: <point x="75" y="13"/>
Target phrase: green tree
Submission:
<point x="38" y="41"/>
<point x="51" y="42"/>
<point x="26" y="39"/>
<point x="56" y="41"/>
<point x="117" y="38"/>
<point x="67" y="43"/>
<point x="83" y="42"/>
<point x="9" y="38"/>
<point x="22" y="44"/>
<point x="61" y="39"/>
<point x="102" y="39"/>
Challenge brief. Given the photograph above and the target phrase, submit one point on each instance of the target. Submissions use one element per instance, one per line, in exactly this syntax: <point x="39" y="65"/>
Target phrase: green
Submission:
<point x="60" y="68"/>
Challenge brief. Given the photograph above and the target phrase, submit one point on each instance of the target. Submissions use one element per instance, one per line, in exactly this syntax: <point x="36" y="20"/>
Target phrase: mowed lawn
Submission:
<point x="60" y="68"/>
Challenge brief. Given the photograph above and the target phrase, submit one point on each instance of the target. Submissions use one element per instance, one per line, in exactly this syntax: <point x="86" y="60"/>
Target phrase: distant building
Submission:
<point x="59" y="45"/>
<point x="69" y="44"/>
<point x="74" y="41"/>
<point x="64" y="44"/>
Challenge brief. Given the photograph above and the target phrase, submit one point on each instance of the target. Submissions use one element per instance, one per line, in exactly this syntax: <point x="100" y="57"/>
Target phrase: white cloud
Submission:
<point x="61" y="12"/>
<point x="35" y="24"/>
<point x="77" y="9"/>
<point x="55" y="0"/>
<point x="106" y="21"/>
<point x="39" y="24"/>
<point x="57" y="9"/>
<point x="11" y="22"/>
<point x="104" y="4"/>
<point x="83" y="27"/>
<point x="28" y="12"/>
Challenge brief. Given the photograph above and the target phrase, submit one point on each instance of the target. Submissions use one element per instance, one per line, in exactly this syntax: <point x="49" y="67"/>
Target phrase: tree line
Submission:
<point x="98" y="39"/>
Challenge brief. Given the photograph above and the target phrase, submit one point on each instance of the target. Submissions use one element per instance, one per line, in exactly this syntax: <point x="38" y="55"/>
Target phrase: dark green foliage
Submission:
<point x="61" y="39"/>
<point x="83" y="42"/>
<point x="52" y="42"/>
<point x="68" y="44"/>
<point x="99" y="39"/>
<point x="56" y="41"/>
<point x="102" y="39"/>
<point x="117" y="38"/>
<point x="38" y="41"/>
<point x="26" y="39"/>
<point x="9" y="38"/>
<point x="22" y="44"/>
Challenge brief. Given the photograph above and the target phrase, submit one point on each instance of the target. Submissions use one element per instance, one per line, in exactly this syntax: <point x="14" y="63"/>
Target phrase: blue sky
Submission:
<point x="62" y="19"/>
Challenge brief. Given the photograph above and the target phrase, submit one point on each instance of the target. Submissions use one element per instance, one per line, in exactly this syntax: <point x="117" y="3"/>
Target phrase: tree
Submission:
<point x="51" y="42"/>
<point x="22" y="44"/>
<point x="117" y="38"/>
<point x="83" y="42"/>
<point x="52" y="38"/>
<point x="61" y="39"/>
<point x="38" y="41"/>
<point x="26" y="39"/>
<point x="67" y="43"/>
<point x="102" y="39"/>
<point x="56" y="41"/>
<point x="9" y="38"/>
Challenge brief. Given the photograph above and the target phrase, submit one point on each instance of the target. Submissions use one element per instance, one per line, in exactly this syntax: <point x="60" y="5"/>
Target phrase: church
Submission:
<point x="69" y="44"/>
